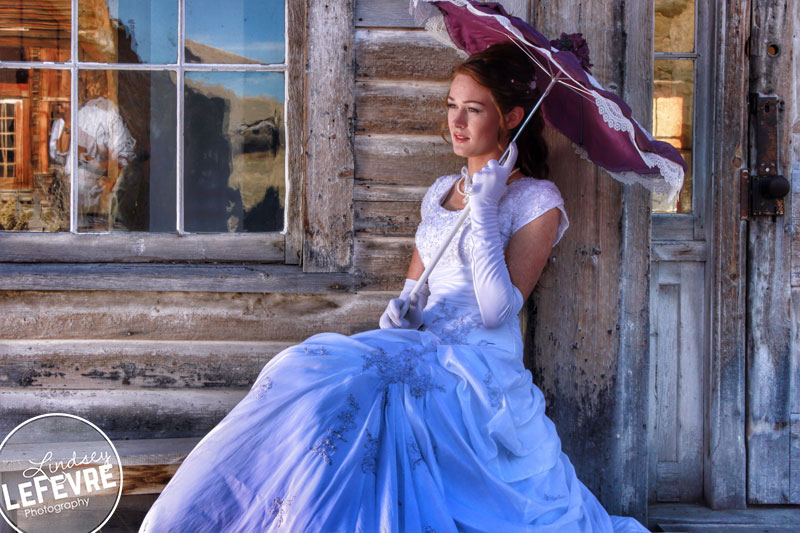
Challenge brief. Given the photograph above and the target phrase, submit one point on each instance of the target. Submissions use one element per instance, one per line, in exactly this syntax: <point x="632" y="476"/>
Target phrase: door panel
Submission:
<point x="676" y="382"/>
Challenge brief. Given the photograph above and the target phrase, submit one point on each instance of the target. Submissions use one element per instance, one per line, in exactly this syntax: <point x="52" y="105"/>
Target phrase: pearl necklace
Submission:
<point x="464" y="189"/>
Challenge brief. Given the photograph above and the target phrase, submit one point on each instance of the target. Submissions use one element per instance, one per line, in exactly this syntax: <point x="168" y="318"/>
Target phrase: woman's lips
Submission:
<point x="460" y="138"/>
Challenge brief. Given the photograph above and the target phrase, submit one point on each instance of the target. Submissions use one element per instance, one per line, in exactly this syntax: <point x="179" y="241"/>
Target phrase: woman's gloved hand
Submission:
<point x="489" y="183"/>
<point x="413" y="318"/>
<point x="498" y="298"/>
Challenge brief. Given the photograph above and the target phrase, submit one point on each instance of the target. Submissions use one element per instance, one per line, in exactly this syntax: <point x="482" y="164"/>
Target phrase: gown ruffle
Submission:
<point x="439" y="430"/>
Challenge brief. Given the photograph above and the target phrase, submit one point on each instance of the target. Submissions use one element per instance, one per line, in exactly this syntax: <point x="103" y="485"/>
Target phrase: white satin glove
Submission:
<point x="498" y="298"/>
<point x="413" y="318"/>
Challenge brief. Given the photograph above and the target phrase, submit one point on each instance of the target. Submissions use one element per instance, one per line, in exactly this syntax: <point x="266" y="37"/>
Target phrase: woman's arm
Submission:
<point x="415" y="267"/>
<point x="528" y="250"/>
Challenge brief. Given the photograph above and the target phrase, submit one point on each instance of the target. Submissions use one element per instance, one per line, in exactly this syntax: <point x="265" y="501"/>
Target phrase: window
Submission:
<point x="8" y="140"/>
<point x="160" y="126"/>
<point x="674" y="89"/>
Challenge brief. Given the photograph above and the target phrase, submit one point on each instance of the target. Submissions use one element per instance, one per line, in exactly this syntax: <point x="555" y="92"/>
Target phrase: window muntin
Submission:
<point x="132" y="111"/>
<point x="674" y="90"/>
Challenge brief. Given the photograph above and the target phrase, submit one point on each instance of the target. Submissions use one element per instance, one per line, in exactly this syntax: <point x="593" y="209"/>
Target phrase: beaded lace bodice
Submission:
<point x="523" y="201"/>
<point x="452" y="312"/>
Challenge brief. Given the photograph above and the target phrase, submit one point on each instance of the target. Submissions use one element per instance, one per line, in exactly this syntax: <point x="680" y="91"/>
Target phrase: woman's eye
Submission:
<point x="473" y="110"/>
<point x="451" y="106"/>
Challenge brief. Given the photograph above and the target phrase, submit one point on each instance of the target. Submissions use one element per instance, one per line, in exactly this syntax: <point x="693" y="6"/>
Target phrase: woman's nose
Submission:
<point x="459" y="118"/>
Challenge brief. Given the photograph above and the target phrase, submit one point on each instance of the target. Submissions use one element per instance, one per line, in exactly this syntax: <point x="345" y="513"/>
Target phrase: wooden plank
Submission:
<point x="401" y="107"/>
<point x="413" y="160"/>
<point x="122" y="414"/>
<point x="136" y="452"/>
<point x="794" y="460"/>
<point x="701" y="518"/>
<point x="691" y="380"/>
<point x="295" y="129"/>
<point x="146" y="479"/>
<point x="403" y="55"/>
<point x="395" y="14"/>
<point x="664" y="354"/>
<point x="795" y="210"/>
<point x="133" y="364"/>
<point x="669" y="227"/>
<point x="768" y="287"/>
<point x="795" y="350"/>
<point x="169" y="277"/>
<point x="366" y="191"/>
<point x="387" y="217"/>
<point x="185" y="316"/>
<point x="383" y="14"/>
<point x="383" y="261"/>
<point x="330" y="92"/>
<point x="680" y="251"/>
<point x="32" y="247"/>
<point x="725" y="466"/>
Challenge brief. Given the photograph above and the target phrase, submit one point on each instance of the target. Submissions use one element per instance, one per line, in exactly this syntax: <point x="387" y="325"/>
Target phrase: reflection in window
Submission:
<point x="128" y="31"/>
<point x="34" y="186"/>
<point x="673" y="117"/>
<point x="674" y="26"/>
<point x="235" y="31"/>
<point x="234" y="151"/>
<point x="126" y="151"/>
<point x="673" y="94"/>
<point x="35" y="31"/>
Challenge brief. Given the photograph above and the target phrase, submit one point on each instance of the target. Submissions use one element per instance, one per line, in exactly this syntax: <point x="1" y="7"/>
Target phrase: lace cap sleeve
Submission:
<point x="432" y="195"/>
<point x="535" y="199"/>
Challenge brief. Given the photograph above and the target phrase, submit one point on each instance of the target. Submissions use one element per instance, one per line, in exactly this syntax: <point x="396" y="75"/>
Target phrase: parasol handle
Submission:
<point x="465" y="212"/>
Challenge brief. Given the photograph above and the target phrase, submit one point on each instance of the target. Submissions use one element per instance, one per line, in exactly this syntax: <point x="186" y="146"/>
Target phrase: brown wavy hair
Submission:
<point x="508" y="73"/>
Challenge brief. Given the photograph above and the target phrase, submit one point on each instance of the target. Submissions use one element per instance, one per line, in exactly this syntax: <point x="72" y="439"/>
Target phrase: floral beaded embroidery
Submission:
<point x="264" y="387"/>
<point x="370" y="462"/>
<point x="278" y="509"/>
<point x="315" y="350"/>
<point x="327" y="447"/>
<point x="451" y="324"/>
<point x="402" y="368"/>
<point x="413" y="453"/>
<point x="495" y="392"/>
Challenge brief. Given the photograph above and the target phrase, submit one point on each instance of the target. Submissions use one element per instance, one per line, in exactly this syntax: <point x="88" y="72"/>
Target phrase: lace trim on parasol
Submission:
<point x="671" y="172"/>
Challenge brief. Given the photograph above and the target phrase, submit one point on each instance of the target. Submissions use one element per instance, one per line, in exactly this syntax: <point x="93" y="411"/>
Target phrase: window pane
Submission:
<point x="34" y="142"/>
<point x="34" y="31"/>
<point x="674" y="30"/>
<point x="235" y="31"/>
<point x="673" y="117"/>
<point x="234" y="148"/>
<point x="126" y="151"/>
<point x="128" y="31"/>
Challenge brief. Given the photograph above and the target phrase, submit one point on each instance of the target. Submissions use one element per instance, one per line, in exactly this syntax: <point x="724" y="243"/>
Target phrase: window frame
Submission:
<point x="692" y="226"/>
<point x="305" y="258"/>
<point x="181" y="246"/>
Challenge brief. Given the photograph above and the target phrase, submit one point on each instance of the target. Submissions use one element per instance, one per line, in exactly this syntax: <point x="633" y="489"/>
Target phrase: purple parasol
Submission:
<point x="597" y="121"/>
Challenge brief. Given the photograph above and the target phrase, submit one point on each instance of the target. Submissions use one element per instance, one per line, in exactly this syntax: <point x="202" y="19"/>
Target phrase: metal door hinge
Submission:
<point x="763" y="188"/>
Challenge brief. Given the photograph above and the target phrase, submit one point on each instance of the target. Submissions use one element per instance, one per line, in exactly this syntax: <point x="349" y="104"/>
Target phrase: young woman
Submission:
<point x="431" y="423"/>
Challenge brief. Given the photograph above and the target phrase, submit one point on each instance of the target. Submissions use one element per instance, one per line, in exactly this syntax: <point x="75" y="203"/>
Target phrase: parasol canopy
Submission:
<point x="597" y="121"/>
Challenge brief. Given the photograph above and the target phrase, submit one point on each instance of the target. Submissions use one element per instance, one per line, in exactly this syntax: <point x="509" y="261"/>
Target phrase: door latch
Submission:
<point x="763" y="188"/>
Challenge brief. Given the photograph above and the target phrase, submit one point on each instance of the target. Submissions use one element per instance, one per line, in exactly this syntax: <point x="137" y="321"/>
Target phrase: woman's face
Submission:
<point x="473" y="119"/>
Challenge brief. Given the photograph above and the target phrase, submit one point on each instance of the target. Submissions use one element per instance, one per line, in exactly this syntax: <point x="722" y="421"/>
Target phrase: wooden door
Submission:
<point x="773" y="264"/>
<point x="724" y="423"/>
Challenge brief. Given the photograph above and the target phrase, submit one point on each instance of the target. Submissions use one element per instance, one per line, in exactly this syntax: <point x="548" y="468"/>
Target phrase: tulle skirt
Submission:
<point x="384" y="431"/>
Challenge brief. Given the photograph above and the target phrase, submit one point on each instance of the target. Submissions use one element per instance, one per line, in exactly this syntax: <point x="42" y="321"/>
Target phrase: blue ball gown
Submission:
<point x="437" y="430"/>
